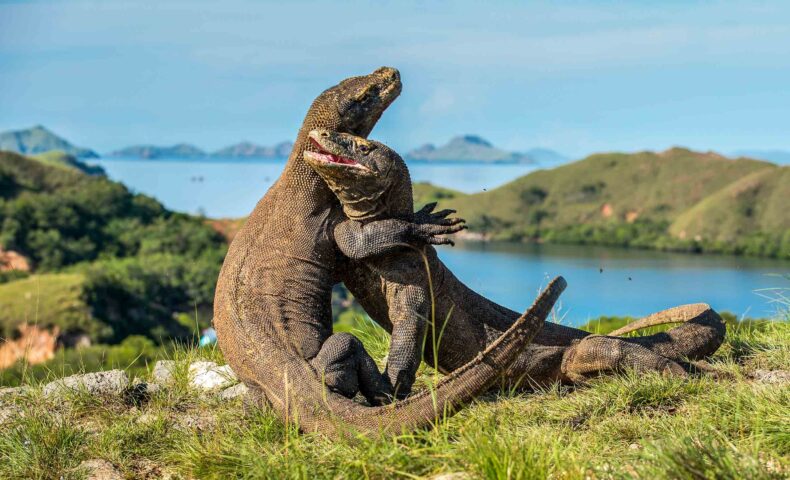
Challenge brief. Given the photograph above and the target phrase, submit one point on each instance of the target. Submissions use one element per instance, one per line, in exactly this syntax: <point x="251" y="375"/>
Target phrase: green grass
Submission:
<point x="45" y="300"/>
<point x="626" y="426"/>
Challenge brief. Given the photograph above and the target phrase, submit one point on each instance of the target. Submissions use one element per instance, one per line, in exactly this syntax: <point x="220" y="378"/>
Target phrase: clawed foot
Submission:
<point x="429" y="225"/>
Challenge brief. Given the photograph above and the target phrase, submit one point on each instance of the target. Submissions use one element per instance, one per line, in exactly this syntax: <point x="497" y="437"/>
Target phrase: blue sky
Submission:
<point x="577" y="77"/>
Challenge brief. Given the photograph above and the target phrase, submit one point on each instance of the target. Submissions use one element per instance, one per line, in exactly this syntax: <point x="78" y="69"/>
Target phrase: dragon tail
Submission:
<point x="701" y="334"/>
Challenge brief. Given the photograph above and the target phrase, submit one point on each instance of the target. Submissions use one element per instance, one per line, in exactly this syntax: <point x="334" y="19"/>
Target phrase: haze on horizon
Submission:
<point x="578" y="77"/>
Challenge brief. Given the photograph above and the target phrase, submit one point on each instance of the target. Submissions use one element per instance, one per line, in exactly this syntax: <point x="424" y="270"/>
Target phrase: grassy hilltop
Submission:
<point x="677" y="199"/>
<point x="617" y="427"/>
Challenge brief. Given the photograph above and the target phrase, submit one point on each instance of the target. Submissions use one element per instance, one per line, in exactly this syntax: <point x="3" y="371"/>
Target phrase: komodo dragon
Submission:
<point x="467" y="322"/>
<point x="373" y="184"/>
<point x="272" y="307"/>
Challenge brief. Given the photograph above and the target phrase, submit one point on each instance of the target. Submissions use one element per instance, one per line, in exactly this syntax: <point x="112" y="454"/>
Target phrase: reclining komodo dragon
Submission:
<point x="369" y="170"/>
<point x="272" y="307"/>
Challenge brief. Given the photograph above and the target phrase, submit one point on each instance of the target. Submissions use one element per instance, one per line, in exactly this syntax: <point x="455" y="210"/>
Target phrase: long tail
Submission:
<point x="294" y="390"/>
<point x="679" y="314"/>
<point x="701" y="334"/>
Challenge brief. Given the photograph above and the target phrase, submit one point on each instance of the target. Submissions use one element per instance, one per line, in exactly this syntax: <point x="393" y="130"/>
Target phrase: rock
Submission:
<point x="452" y="476"/>
<point x="236" y="391"/>
<point x="163" y="371"/>
<point x="7" y="395"/>
<point x="210" y="376"/>
<point x="8" y="414"/>
<point x="780" y="377"/>
<point x="149" y="387"/>
<point x="98" y="469"/>
<point x="146" y="419"/>
<point x="144" y="468"/>
<point x="194" y="422"/>
<point x="112" y="382"/>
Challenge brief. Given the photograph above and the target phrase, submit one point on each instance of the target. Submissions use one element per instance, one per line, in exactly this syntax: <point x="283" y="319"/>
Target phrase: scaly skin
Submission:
<point x="272" y="308"/>
<point x="374" y="187"/>
<point x="467" y="322"/>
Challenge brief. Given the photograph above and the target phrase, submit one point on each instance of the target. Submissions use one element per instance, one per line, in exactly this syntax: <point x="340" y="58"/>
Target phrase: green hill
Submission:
<point x="59" y="159"/>
<point x="139" y="262"/>
<point x="40" y="140"/>
<point x="677" y="199"/>
<point x="755" y="203"/>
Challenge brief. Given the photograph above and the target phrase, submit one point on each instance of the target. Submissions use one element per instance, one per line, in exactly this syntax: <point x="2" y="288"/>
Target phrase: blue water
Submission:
<point x="612" y="281"/>
<point x="633" y="282"/>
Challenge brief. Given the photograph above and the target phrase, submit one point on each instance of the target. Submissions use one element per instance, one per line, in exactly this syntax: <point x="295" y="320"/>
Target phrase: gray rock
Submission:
<point x="152" y="387"/>
<point x="195" y="422"/>
<point x="163" y="371"/>
<point x="452" y="476"/>
<point x="112" y="382"/>
<point x="236" y="391"/>
<point x="146" y="418"/>
<point x="210" y="376"/>
<point x="780" y="377"/>
<point x="98" y="469"/>
<point x="8" y="414"/>
<point x="7" y="395"/>
<point x="148" y="387"/>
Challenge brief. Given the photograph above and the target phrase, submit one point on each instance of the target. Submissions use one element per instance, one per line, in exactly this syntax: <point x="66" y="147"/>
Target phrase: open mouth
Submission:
<point x="329" y="157"/>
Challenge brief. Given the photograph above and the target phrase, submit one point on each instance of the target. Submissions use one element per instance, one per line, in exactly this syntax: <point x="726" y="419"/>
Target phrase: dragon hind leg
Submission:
<point x="599" y="354"/>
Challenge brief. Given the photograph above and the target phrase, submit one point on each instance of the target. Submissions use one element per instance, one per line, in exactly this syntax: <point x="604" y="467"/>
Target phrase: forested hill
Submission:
<point x="677" y="199"/>
<point x="112" y="263"/>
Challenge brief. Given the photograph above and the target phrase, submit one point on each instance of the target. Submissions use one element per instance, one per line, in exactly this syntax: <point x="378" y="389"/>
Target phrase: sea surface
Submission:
<point x="601" y="281"/>
<point x="619" y="282"/>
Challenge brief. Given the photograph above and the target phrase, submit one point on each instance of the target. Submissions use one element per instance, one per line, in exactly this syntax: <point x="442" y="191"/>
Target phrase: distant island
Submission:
<point x="473" y="148"/>
<point x="38" y="139"/>
<point x="185" y="150"/>
<point x="677" y="199"/>
<point x="149" y="152"/>
<point x="251" y="150"/>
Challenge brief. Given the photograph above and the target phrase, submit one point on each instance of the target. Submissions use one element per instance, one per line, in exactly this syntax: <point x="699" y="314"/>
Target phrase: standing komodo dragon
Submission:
<point x="373" y="184"/>
<point x="272" y="307"/>
<point x="467" y="321"/>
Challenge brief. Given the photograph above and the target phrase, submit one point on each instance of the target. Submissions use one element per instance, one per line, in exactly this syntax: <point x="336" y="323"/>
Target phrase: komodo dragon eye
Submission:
<point x="364" y="149"/>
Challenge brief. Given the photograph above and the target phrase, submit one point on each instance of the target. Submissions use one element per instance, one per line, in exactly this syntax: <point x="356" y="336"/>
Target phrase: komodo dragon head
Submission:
<point x="370" y="179"/>
<point x="358" y="101"/>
